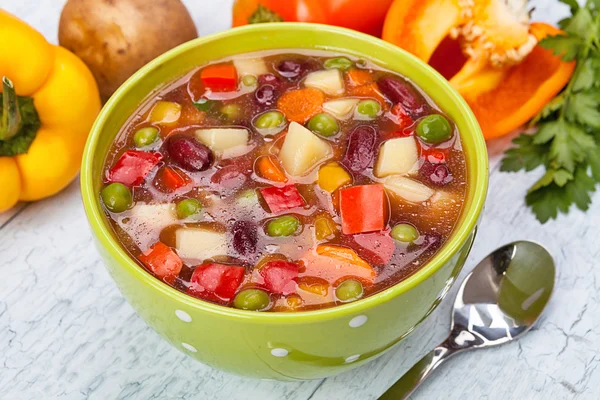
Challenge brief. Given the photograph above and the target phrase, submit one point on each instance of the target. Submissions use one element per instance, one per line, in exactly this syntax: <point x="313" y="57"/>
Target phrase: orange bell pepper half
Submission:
<point x="503" y="97"/>
<point x="523" y="90"/>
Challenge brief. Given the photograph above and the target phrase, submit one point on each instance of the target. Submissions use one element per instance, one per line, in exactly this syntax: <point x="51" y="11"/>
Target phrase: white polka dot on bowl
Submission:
<point x="353" y="358"/>
<point x="279" y="352"/>
<point x="358" y="321"/>
<point x="182" y="315"/>
<point x="189" y="347"/>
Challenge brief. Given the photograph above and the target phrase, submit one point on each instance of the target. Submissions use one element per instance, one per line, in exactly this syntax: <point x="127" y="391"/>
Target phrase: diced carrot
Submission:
<point x="269" y="168"/>
<point x="172" y="179"/>
<point x="312" y="284"/>
<point x="359" y="77"/>
<point x="301" y="105"/>
<point x="162" y="261"/>
<point x="343" y="254"/>
<point x="333" y="263"/>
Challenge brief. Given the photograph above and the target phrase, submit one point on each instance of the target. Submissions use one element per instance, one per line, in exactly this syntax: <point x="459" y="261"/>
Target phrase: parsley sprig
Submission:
<point x="567" y="141"/>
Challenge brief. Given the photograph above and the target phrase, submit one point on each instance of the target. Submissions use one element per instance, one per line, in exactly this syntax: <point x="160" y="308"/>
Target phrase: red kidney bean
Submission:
<point x="230" y="177"/>
<point x="399" y="91"/>
<point x="265" y="95"/>
<point x="290" y="69"/>
<point x="268" y="79"/>
<point x="244" y="238"/>
<point x="437" y="174"/>
<point x="189" y="153"/>
<point x="361" y="148"/>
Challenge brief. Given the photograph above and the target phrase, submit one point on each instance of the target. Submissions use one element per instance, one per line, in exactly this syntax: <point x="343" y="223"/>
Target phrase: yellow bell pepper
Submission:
<point x="332" y="176"/>
<point x="49" y="100"/>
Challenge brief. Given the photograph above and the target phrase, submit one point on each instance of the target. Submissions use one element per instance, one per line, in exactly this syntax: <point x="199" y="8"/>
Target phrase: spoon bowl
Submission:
<point x="499" y="301"/>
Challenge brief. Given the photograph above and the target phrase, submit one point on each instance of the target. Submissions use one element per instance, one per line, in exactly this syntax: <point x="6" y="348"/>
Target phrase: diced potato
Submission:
<point x="340" y="108"/>
<point x="144" y="221"/>
<point x="229" y="142"/>
<point x="329" y="81"/>
<point x="302" y="150"/>
<point x="200" y="244"/>
<point x="332" y="176"/>
<point x="408" y="189"/>
<point x="165" y="112"/>
<point x="250" y="66"/>
<point x="397" y="157"/>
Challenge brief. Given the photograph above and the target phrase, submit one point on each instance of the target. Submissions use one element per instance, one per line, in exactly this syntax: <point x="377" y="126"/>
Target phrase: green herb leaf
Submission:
<point x="585" y="109"/>
<point x="584" y="77"/>
<point x="550" y="108"/>
<point x="582" y="23"/>
<point x="547" y="201"/>
<point x="572" y="4"/>
<point x="526" y="155"/>
<point x="595" y="166"/>
<point x="564" y="46"/>
<point x="548" y="131"/>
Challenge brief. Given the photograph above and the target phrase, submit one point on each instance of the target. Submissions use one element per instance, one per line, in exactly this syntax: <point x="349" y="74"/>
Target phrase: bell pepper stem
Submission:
<point x="11" y="115"/>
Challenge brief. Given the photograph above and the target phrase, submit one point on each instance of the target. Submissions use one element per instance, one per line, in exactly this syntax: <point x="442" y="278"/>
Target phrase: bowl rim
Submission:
<point x="460" y="234"/>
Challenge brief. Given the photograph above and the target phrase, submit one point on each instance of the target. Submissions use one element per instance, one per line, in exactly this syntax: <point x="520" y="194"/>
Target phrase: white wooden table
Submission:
<point x="66" y="332"/>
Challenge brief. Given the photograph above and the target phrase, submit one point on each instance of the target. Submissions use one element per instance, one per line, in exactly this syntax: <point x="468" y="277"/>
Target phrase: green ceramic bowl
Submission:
<point x="283" y="346"/>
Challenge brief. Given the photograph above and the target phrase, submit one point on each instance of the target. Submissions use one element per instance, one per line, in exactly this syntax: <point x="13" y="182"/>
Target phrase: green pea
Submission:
<point x="247" y="199"/>
<point x="270" y="119"/>
<point x="117" y="197"/>
<point x="187" y="208"/>
<point x="252" y="299"/>
<point x="434" y="129"/>
<point x="341" y="63"/>
<point x="204" y="104"/>
<point x="405" y="233"/>
<point x="349" y="290"/>
<point x="283" y="226"/>
<point x="145" y="136"/>
<point x="324" y="125"/>
<point x="231" y="111"/>
<point x="249" y="80"/>
<point x="368" y="108"/>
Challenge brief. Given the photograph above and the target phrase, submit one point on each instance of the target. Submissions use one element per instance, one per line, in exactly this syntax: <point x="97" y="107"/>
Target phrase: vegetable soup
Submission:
<point x="285" y="181"/>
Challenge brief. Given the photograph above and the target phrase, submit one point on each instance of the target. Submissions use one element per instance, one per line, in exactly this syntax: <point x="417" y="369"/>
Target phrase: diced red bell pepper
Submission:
<point x="133" y="166"/>
<point x="362" y="209"/>
<point x="400" y="117"/>
<point x="280" y="276"/>
<point x="162" y="261"/>
<point x="216" y="282"/>
<point x="434" y="156"/>
<point x="220" y="77"/>
<point x="282" y="198"/>
<point x="172" y="179"/>
<point x="376" y="247"/>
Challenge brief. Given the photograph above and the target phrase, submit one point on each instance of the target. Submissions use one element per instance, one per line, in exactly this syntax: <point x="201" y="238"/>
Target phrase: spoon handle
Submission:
<point x="413" y="378"/>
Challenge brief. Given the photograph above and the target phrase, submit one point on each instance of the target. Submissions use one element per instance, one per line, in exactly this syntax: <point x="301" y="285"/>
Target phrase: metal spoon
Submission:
<point x="499" y="301"/>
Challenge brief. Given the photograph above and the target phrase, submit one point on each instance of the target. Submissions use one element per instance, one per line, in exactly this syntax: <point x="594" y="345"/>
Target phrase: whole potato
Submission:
<point x="117" y="37"/>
